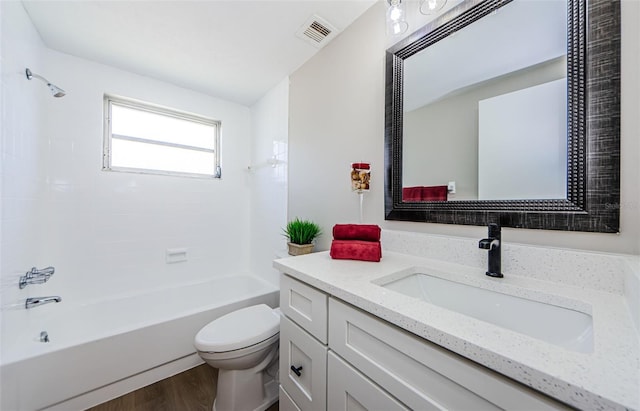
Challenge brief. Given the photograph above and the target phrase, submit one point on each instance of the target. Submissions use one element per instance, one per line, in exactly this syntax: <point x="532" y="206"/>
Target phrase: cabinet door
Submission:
<point x="285" y="402"/>
<point x="348" y="390"/>
<point x="424" y="375"/>
<point x="303" y="367"/>
<point x="305" y="305"/>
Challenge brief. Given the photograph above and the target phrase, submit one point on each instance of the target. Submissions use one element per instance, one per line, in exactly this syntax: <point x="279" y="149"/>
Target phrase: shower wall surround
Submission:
<point x="22" y="153"/>
<point x="106" y="233"/>
<point x="268" y="179"/>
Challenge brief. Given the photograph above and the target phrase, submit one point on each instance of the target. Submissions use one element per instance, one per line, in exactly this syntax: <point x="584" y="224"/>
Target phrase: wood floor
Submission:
<point x="192" y="390"/>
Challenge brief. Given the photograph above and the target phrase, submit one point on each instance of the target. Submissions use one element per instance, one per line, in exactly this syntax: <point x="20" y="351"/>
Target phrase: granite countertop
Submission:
<point x="607" y="378"/>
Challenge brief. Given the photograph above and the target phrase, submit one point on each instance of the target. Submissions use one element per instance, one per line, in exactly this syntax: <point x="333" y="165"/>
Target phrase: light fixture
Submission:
<point x="396" y="18"/>
<point x="55" y="90"/>
<point x="431" y="6"/>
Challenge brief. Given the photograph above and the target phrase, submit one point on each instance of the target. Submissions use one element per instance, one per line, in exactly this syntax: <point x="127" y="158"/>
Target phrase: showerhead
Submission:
<point x="55" y="90"/>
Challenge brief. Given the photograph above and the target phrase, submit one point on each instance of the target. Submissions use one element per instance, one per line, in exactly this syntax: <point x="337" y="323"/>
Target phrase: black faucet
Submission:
<point x="493" y="245"/>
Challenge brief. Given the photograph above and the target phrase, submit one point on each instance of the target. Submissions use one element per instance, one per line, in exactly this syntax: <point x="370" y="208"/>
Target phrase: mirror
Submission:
<point x="456" y="95"/>
<point x="527" y="129"/>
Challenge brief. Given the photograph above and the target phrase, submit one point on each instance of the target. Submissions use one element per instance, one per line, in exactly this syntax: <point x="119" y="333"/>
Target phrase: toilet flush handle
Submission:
<point x="296" y="370"/>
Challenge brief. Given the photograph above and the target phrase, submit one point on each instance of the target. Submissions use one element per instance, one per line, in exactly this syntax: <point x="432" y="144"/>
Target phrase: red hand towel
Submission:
<point x="421" y="193"/>
<point x="363" y="232"/>
<point x="412" y="193"/>
<point x="434" y="193"/>
<point x="356" y="250"/>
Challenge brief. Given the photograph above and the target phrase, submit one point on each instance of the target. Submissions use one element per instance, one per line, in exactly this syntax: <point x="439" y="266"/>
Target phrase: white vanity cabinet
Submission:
<point x="353" y="360"/>
<point x="303" y="346"/>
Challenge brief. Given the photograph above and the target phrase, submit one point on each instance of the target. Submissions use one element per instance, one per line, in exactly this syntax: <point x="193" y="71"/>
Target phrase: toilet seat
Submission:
<point x="241" y="352"/>
<point x="239" y="329"/>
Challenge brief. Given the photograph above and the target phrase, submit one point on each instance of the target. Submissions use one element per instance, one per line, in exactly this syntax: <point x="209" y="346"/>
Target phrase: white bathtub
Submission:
<point x="104" y="349"/>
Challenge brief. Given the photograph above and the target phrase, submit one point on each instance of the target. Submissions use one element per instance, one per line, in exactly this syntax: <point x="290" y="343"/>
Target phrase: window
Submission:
<point x="144" y="138"/>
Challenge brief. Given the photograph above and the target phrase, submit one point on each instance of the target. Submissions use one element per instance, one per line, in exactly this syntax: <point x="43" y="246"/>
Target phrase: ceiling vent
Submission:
<point x="317" y="31"/>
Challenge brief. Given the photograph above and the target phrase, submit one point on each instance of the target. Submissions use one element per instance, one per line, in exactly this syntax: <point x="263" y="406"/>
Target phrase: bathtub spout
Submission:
<point x="37" y="301"/>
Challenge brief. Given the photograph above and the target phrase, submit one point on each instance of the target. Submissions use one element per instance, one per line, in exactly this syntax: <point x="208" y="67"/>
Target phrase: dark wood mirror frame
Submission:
<point x="593" y="130"/>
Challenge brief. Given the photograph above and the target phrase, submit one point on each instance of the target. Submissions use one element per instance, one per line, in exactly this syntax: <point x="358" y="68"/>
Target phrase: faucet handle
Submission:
<point x="36" y="276"/>
<point x="489" y="243"/>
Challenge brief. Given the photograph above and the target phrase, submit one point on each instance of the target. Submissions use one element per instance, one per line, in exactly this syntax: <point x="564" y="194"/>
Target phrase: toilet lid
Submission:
<point x="238" y="329"/>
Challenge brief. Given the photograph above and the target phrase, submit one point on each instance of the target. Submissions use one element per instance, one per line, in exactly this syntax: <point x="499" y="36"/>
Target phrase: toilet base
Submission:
<point x="253" y="389"/>
<point x="270" y="398"/>
<point x="261" y="399"/>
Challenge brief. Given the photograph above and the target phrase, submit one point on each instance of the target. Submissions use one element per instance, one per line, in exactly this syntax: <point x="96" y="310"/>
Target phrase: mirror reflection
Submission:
<point x="485" y="109"/>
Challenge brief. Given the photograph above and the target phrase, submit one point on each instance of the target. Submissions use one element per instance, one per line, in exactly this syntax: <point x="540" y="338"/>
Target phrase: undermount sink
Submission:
<point x="561" y="326"/>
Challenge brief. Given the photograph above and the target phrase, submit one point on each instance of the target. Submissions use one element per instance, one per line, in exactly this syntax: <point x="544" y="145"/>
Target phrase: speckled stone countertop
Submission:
<point x="607" y="378"/>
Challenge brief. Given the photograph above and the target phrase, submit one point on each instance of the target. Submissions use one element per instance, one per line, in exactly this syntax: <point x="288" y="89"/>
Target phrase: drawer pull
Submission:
<point x="296" y="370"/>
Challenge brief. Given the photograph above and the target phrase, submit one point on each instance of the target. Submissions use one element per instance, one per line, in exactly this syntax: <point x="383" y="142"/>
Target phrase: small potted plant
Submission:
<point x="301" y="234"/>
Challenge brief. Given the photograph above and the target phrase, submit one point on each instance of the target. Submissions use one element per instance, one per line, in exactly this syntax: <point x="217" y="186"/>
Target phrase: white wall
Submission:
<point x="22" y="157"/>
<point x="531" y="143"/>
<point x="336" y="117"/>
<point x="344" y="121"/>
<point x="268" y="179"/>
<point x="630" y="169"/>
<point x="106" y="232"/>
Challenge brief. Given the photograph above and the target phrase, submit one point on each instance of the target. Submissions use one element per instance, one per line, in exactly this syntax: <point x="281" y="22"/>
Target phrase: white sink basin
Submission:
<point x="557" y="325"/>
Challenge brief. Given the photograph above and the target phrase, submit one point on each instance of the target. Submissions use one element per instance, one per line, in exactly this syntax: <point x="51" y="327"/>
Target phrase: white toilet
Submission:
<point x="243" y="345"/>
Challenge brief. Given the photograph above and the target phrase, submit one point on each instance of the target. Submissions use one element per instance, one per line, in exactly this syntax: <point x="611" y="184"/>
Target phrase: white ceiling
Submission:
<point x="236" y="50"/>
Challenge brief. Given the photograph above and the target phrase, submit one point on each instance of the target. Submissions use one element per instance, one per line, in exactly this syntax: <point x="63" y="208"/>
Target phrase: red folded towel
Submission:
<point x="412" y="193"/>
<point x="421" y="193"/>
<point x="356" y="250"/>
<point x="363" y="232"/>
<point x="434" y="193"/>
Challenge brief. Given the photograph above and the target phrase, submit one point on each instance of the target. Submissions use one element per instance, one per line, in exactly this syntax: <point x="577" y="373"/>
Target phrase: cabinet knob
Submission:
<point x="296" y="370"/>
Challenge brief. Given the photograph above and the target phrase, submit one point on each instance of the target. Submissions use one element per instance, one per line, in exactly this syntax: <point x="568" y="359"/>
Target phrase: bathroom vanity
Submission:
<point x="359" y="335"/>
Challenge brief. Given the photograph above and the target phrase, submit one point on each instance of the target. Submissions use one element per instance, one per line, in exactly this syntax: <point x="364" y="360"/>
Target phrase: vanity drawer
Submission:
<point x="305" y="305"/>
<point x="424" y="375"/>
<point x="347" y="389"/>
<point x="300" y="351"/>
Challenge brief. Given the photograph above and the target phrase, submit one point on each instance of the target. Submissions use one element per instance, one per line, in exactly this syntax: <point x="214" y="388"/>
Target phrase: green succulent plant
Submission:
<point x="301" y="231"/>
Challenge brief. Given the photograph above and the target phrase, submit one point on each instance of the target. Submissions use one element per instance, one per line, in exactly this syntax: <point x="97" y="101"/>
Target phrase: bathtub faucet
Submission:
<point x="37" y="301"/>
<point x="35" y="276"/>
